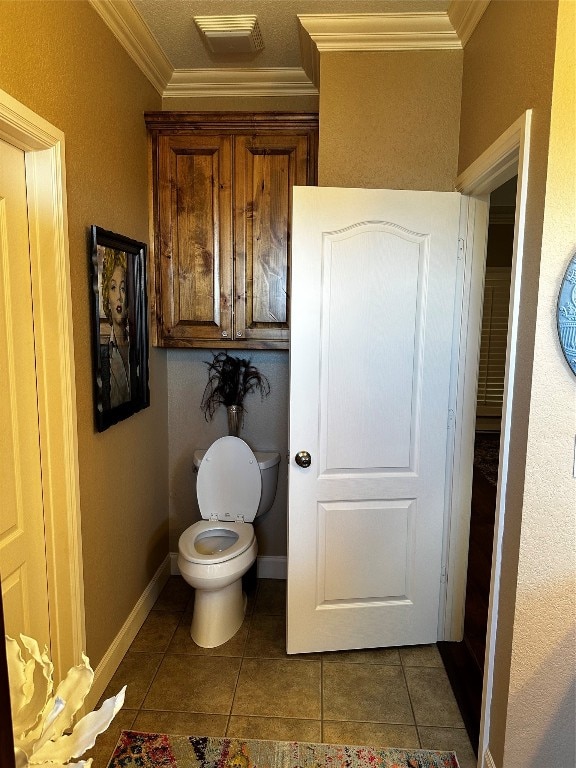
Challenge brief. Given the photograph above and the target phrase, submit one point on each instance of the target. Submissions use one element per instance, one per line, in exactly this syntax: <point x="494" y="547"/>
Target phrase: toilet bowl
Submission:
<point x="234" y="486"/>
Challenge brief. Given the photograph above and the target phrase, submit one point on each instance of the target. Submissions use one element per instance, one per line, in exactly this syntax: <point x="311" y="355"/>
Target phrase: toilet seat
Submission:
<point x="190" y="546"/>
<point x="229" y="483"/>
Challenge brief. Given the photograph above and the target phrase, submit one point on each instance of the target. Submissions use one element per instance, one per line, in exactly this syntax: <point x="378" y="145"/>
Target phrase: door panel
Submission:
<point x="22" y="539"/>
<point x="266" y="167"/>
<point x="196" y="237"/>
<point x="374" y="276"/>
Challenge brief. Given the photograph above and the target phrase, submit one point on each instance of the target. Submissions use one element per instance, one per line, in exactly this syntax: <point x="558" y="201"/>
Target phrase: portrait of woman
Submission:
<point x="120" y="326"/>
<point x="115" y="351"/>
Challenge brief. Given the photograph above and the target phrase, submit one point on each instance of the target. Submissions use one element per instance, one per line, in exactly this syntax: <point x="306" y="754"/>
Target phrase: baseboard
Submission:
<point x="272" y="567"/>
<point x="174" y="570"/>
<point x="114" y="655"/>
<point x="488" y="761"/>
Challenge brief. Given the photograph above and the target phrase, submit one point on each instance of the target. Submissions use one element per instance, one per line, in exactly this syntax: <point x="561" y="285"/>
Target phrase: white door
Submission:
<point x="22" y="539"/>
<point x="374" y="276"/>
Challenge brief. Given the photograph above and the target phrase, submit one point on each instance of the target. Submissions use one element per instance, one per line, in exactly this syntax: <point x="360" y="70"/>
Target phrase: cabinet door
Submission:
<point x="195" y="239"/>
<point x="266" y="167"/>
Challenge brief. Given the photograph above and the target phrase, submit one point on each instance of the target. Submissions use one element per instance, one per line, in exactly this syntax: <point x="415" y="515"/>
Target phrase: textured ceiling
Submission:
<point x="172" y="24"/>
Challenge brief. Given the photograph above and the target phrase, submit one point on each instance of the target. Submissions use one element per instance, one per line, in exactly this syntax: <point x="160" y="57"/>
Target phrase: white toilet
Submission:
<point x="234" y="486"/>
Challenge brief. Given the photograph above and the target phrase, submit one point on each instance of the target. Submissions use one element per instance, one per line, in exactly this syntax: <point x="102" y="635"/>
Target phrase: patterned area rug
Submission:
<point x="158" y="750"/>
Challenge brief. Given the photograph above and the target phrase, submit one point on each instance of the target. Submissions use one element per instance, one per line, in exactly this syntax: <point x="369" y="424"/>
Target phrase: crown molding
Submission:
<point x="126" y="24"/>
<point x="465" y="15"/>
<point x="239" y="82"/>
<point x="320" y="33"/>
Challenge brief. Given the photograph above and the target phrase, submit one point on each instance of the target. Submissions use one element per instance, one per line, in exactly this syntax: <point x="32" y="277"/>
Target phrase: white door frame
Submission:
<point x="507" y="157"/>
<point x="43" y="145"/>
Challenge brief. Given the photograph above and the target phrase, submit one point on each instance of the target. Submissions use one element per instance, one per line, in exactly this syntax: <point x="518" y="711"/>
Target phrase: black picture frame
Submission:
<point x="119" y="328"/>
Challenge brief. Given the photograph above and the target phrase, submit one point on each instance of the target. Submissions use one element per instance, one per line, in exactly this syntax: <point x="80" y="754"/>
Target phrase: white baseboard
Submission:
<point x="488" y="761"/>
<point x="272" y="567"/>
<point x="174" y="570"/>
<point x="114" y="655"/>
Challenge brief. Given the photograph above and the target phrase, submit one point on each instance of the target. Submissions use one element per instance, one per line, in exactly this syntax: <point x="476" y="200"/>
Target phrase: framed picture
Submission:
<point x="120" y="327"/>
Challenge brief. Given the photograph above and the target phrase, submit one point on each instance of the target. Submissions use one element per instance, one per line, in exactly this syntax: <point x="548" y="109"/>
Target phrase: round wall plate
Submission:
<point x="566" y="314"/>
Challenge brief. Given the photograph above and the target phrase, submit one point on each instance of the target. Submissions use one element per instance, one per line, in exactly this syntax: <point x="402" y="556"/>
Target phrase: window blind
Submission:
<point x="493" y="341"/>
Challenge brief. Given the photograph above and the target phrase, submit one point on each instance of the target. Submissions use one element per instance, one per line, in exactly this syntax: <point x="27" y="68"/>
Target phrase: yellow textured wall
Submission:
<point x="389" y="119"/>
<point x="61" y="61"/>
<point x="508" y="68"/>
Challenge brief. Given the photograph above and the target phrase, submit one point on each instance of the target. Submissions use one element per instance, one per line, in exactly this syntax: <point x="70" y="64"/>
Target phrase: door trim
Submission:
<point x="43" y="145"/>
<point x="506" y="157"/>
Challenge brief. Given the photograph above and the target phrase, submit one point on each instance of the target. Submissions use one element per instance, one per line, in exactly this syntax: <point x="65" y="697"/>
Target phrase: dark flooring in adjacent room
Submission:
<point x="250" y="688"/>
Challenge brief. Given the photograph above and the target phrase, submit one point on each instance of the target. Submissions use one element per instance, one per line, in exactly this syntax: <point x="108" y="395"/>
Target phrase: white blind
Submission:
<point x="493" y="341"/>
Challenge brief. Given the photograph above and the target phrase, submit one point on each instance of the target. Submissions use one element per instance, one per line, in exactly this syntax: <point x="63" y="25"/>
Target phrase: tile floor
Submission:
<point x="250" y="687"/>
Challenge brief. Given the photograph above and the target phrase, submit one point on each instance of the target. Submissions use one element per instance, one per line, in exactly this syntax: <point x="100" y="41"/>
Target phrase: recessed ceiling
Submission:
<point x="163" y="39"/>
<point x="172" y="24"/>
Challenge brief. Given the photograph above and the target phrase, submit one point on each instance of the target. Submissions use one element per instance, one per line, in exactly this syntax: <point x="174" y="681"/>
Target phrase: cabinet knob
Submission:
<point x="224" y="334"/>
<point x="238" y="333"/>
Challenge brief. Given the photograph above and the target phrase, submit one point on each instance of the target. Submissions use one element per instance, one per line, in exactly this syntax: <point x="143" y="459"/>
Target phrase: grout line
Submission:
<point x="410" y="698"/>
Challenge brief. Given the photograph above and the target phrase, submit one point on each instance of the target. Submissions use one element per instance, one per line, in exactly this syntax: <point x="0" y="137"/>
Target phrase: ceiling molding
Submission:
<point x="320" y="33"/>
<point x="239" y="82"/>
<point x="127" y="25"/>
<point x="465" y="15"/>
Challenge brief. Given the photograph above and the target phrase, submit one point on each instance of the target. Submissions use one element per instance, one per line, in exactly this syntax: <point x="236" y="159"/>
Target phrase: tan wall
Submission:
<point x="59" y="59"/>
<point x="389" y="119"/>
<point x="242" y="104"/>
<point x="508" y="67"/>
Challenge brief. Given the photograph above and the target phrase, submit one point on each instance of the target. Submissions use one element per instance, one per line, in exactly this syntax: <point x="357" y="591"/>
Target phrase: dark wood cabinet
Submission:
<point x="221" y="201"/>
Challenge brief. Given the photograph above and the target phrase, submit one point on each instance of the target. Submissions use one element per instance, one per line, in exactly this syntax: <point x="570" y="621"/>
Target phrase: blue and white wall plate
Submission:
<point x="567" y="314"/>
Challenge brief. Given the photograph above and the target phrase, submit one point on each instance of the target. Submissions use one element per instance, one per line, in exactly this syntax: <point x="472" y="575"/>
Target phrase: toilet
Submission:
<point x="234" y="486"/>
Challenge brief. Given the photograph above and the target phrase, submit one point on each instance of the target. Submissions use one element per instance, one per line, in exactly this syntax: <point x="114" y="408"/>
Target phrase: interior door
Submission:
<point x="373" y="289"/>
<point x="22" y="537"/>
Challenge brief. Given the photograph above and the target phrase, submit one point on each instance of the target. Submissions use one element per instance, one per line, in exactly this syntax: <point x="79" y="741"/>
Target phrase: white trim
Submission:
<point x="281" y="81"/>
<point x="174" y="570"/>
<point x="121" y="643"/>
<point x="465" y="15"/>
<point x="488" y="761"/>
<point x="132" y="32"/>
<point x="272" y="567"/>
<point x="372" y="32"/>
<point x="500" y="162"/>
<point x="43" y="145"/>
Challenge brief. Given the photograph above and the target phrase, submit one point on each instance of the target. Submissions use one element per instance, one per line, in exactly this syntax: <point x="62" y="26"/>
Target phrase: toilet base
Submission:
<point x="218" y="614"/>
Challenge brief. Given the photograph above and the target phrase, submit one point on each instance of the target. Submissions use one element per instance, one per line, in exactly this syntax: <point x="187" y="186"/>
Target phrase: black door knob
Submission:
<point x="303" y="459"/>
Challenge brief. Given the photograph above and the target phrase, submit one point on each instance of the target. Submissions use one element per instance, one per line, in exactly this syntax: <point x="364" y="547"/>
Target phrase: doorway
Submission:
<point x="43" y="148"/>
<point x="464" y="660"/>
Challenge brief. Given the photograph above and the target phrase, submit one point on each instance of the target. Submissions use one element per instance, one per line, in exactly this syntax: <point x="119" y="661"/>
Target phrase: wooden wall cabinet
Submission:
<point x="220" y="246"/>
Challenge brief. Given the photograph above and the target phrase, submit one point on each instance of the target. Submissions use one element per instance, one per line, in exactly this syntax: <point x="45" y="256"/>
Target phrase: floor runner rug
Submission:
<point x="159" y="750"/>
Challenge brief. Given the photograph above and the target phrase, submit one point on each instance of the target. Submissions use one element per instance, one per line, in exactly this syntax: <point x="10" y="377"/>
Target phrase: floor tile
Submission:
<point x="194" y="684"/>
<point x="365" y="693"/>
<point x="105" y="743"/>
<point x="421" y="656"/>
<point x="136" y="671"/>
<point x="276" y="728"/>
<point x="267" y="639"/>
<point x="182" y="642"/>
<point x="455" y="739"/>
<point x="432" y="697"/>
<point x="181" y="723"/>
<point x="271" y="597"/>
<point x="364" y="656"/>
<point x="175" y="596"/>
<point x="278" y="688"/>
<point x="156" y="632"/>
<point x="370" y="734"/>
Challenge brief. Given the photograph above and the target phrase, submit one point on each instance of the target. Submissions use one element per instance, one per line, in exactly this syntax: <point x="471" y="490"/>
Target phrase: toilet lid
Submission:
<point x="229" y="482"/>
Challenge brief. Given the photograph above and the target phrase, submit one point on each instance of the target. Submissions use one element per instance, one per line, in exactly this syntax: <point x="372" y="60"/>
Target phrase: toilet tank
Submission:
<point x="268" y="461"/>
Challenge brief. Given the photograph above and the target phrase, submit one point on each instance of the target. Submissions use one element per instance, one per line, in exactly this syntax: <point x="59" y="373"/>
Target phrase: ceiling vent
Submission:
<point x="230" y="34"/>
